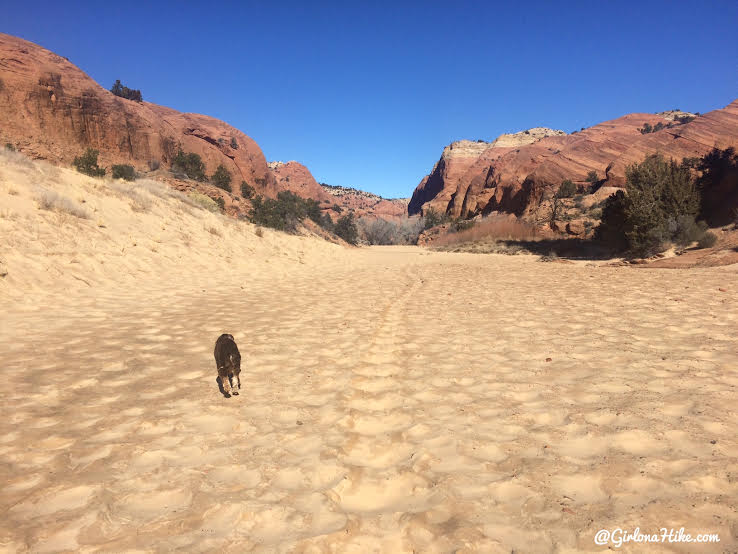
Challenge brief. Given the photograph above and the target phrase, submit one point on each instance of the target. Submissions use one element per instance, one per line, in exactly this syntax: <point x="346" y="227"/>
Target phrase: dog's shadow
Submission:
<point x="222" y="390"/>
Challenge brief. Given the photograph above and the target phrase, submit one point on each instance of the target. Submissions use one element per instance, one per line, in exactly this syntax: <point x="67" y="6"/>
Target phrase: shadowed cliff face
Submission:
<point x="50" y="109"/>
<point x="514" y="178"/>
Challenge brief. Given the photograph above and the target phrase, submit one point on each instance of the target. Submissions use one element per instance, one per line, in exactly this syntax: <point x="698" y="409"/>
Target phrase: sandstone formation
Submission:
<point x="464" y="162"/>
<point x="366" y="204"/>
<point x="515" y="179"/>
<point x="50" y="109"/>
<point x="295" y="177"/>
<point x="528" y="136"/>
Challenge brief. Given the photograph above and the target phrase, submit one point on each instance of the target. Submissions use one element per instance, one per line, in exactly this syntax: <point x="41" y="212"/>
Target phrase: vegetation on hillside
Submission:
<point x="87" y="163"/>
<point x="678" y="120"/>
<point x="222" y="178"/>
<point x="286" y="211"/>
<point x="431" y="218"/>
<point x="124" y="92"/>
<point x="345" y="228"/>
<point x="124" y="171"/>
<point x="567" y="189"/>
<point x="247" y="191"/>
<point x="660" y="207"/>
<point x="189" y="165"/>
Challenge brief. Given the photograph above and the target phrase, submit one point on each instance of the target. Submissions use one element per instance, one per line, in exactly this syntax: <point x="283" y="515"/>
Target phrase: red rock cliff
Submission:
<point x="514" y="178"/>
<point x="51" y="109"/>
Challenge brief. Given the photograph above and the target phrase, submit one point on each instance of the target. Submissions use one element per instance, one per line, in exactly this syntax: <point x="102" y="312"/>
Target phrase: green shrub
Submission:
<point x="682" y="119"/>
<point x="234" y="143"/>
<point x="431" y="218"/>
<point x="247" y="191"/>
<point x="346" y="229"/>
<point x="567" y="189"/>
<point x="284" y="212"/>
<point x="661" y="202"/>
<point x="189" y="164"/>
<point x="312" y="209"/>
<point x="592" y="177"/>
<point x="125" y="172"/>
<point x="124" y="92"/>
<point x="221" y="203"/>
<point x="87" y="163"/>
<point x="222" y="178"/>
<point x="10" y="147"/>
<point x="327" y="222"/>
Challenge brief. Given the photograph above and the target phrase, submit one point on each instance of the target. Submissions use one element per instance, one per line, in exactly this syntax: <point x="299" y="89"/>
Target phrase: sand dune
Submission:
<point x="394" y="399"/>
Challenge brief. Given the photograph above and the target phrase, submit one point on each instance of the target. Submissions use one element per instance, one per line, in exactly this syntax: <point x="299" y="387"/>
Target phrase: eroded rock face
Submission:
<point x="465" y="162"/>
<point x="515" y="178"/>
<point x="295" y="177"/>
<point x="50" y="109"/>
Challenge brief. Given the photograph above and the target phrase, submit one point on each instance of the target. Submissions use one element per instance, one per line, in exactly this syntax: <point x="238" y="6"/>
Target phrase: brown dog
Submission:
<point x="228" y="362"/>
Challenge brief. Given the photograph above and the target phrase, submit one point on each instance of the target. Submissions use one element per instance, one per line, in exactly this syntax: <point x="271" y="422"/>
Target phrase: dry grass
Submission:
<point x="492" y="228"/>
<point x="215" y="231"/>
<point x="13" y="192"/>
<point x="52" y="201"/>
<point x="259" y="232"/>
<point x="15" y="158"/>
<point x="203" y="201"/>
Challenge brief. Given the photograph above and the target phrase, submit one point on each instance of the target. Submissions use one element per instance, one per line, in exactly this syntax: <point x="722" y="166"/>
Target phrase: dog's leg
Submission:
<point x="224" y="381"/>
<point x="239" y="380"/>
<point x="233" y="389"/>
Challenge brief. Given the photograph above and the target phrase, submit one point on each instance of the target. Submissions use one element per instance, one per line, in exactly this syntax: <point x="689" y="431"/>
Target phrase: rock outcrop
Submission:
<point x="366" y="204"/>
<point x="464" y="162"/>
<point x="515" y="178"/>
<point x="335" y="200"/>
<point x="50" y="109"/>
<point x="295" y="177"/>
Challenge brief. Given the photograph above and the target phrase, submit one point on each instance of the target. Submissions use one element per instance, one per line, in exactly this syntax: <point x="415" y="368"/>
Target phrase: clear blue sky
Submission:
<point x="367" y="94"/>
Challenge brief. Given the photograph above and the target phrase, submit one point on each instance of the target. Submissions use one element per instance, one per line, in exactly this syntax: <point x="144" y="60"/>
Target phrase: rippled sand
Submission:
<point x="393" y="400"/>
